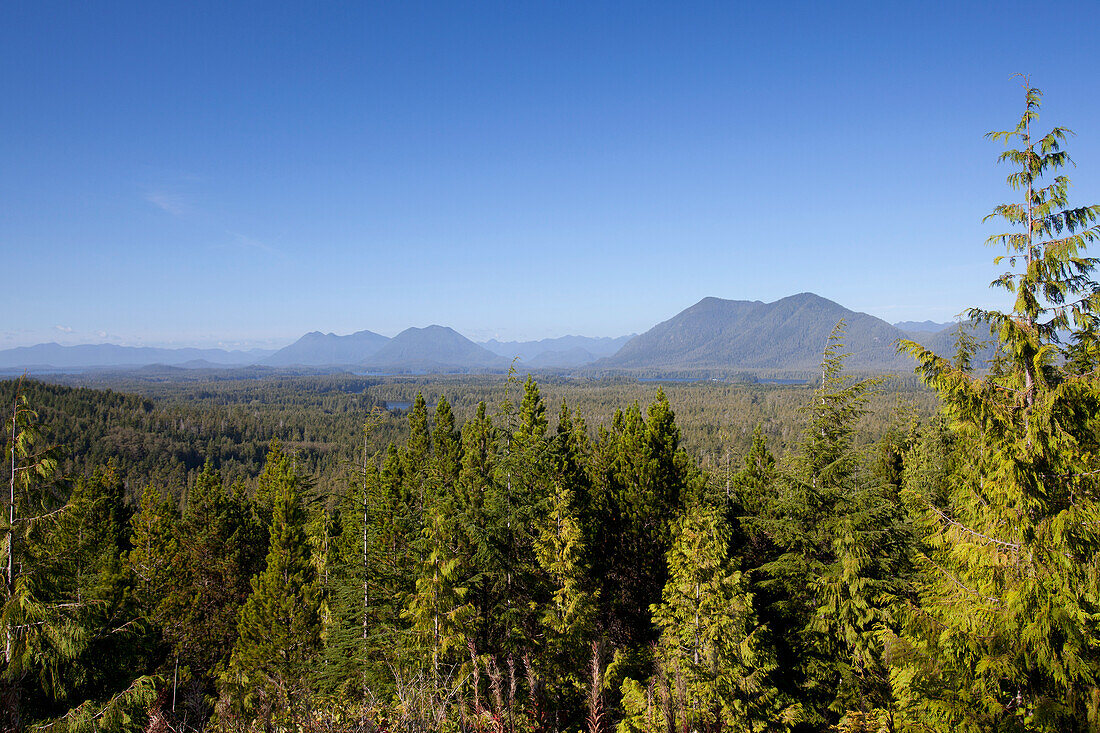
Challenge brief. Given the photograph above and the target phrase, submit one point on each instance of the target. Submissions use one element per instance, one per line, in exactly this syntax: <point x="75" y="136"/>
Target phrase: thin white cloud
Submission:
<point x="171" y="203"/>
<point x="247" y="242"/>
<point x="64" y="329"/>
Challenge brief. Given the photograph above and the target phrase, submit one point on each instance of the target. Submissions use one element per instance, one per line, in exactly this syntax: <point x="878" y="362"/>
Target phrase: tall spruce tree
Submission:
<point x="840" y="544"/>
<point x="567" y="618"/>
<point x="218" y="546"/>
<point x="713" y="668"/>
<point x="279" y="627"/>
<point x="1005" y="636"/>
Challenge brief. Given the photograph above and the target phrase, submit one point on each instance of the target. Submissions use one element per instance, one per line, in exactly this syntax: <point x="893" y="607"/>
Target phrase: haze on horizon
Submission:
<point x="193" y="174"/>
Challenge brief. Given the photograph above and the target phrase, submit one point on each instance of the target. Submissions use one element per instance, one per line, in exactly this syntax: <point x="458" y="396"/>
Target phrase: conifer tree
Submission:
<point x="279" y="628"/>
<point x="1005" y="637"/>
<point x="514" y="505"/>
<point x="446" y="459"/>
<point x="532" y="417"/>
<point x="841" y="544"/>
<point x="571" y="450"/>
<point x="80" y="642"/>
<point x="476" y="550"/>
<point x="568" y="616"/>
<point x="419" y="445"/>
<point x="713" y="665"/>
<point x="33" y="493"/>
<point x="153" y="559"/>
<point x="641" y="477"/>
<point x="220" y="546"/>
<point x="278" y="467"/>
<point x="437" y="612"/>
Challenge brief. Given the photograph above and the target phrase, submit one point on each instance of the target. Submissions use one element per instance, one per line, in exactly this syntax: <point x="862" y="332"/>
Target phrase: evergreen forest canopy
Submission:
<point x="492" y="570"/>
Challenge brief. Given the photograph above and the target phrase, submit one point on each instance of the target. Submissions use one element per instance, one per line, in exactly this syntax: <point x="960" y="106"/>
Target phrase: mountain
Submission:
<point x="327" y="349"/>
<point x="922" y="326"/>
<point x="573" y="357"/>
<point x="530" y="350"/>
<point x="943" y="342"/>
<point x="789" y="334"/>
<point x="434" y="348"/>
<point x="103" y="355"/>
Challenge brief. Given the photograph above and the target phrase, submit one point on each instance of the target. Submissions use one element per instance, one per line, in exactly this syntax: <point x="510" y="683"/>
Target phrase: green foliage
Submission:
<point x="567" y="618"/>
<point x="835" y="543"/>
<point x="713" y="668"/>
<point x="218" y="546"/>
<point x="279" y="627"/>
<point x="437" y="611"/>
<point x="1004" y="636"/>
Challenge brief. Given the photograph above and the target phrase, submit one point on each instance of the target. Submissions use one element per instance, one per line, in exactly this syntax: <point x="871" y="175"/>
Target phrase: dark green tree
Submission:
<point x="713" y="668"/>
<point x="279" y="628"/>
<point x="841" y="545"/>
<point x="219" y="545"/>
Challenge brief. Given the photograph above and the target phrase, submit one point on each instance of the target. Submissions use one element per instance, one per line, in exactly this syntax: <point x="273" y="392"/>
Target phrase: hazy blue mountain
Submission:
<point x="328" y="349"/>
<point x="573" y="357"/>
<point x="922" y="326"/>
<point x="788" y="334"/>
<point x="434" y="348"/>
<point x="100" y="355"/>
<point x="528" y="350"/>
<point x="943" y="341"/>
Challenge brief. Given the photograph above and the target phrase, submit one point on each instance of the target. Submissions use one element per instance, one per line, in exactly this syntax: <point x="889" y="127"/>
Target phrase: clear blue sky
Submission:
<point x="241" y="173"/>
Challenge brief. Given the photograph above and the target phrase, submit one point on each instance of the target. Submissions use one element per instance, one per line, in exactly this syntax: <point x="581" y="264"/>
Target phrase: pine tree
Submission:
<point x="568" y="617"/>
<point x="532" y="417"/>
<point x="1005" y="637"/>
<point x="446" y="462"/>
<point x="33" y="494"/>
<point x="93" y="586"/>
<point x="476" y="550"/>
<point x="437" y="613"/>
<point x="641" y="475"/>
<point x="713" y="666"/>
<point x="278" y="467"/>
<point x="841" y="545"/>
<point x="154" y="555"/>
<point x="220" y="546"/>
<point x="419" y="445"/>
<point x="279" y="628"/>
<point x="515" y="502"/>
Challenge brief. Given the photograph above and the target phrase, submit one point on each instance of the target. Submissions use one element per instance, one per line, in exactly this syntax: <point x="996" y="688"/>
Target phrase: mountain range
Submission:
<point x="109" y="355"/>
<point x="714" y="335"/>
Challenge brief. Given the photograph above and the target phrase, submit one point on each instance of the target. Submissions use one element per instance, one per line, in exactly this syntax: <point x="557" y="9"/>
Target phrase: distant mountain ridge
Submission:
<point x="714" y="336"/>
<point x="788" y="334"/>
<point x="328" y="349"/>
<point x="95" y="355"/>
<point x="557" y="349"/>
<point x="923" y="326"/>
<point x="434" y="348"/>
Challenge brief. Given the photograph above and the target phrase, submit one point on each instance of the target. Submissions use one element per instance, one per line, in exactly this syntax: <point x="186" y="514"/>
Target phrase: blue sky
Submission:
<point x="241" y="173"/>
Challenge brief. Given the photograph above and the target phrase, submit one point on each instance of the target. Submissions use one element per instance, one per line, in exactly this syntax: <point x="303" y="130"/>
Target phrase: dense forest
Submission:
<point x="277" y="555"/>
